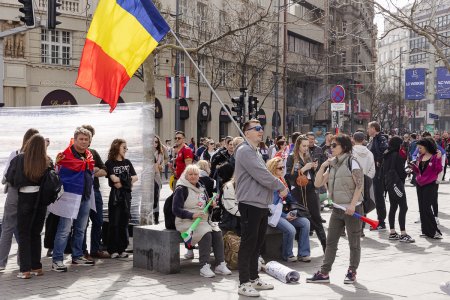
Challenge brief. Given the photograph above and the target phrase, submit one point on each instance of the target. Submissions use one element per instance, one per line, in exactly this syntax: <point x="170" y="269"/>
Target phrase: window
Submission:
<point x="156" y="63"/>
<point x="201" y="16"/>
<point x="56" y="47"/>
<point x="223" y="73"/>
<point x="344" y="26"/>
<point x="183" y="10"/>
<point x="202" y="67"/>
<point x="258" y="82"/>
<point x="222" y="20"/>
<point x="303" y="47"/>
<point x="182" y="64"/>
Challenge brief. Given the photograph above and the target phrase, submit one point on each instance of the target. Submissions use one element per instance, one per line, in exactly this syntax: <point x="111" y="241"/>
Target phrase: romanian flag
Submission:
<point x="122" y="35"/>
<point x="71" y="171"/>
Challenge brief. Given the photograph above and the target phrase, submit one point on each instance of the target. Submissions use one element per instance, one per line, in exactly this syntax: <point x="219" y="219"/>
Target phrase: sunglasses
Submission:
<point x="334" y="145"/>
<point x="178" y="138"/>
<point x="211" y="143"/>
<point x="280" y="168"/>
<point x="256" y="128"/>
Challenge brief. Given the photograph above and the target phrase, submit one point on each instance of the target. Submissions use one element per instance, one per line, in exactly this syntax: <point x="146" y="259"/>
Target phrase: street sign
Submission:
<point x="337" y="106"/>
<point x="433" y="116"/>
<point x="337" y="94"/>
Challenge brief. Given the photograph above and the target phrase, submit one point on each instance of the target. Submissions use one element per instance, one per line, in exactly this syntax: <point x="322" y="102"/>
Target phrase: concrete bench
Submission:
<point x="156" y="250"/>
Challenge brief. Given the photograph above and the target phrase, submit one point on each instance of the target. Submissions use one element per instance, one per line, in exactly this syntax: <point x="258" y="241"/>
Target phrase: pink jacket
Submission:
<point x="431" y="172"/>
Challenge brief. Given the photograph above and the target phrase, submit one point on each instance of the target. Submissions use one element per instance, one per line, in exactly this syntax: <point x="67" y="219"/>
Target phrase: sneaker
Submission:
<point x="437" y="220"/>
<point x="379" y="227"/>
<point x="405" y="238"/>
<point x="350" y="277"/>
<point x="189" y="254"/>
<point x="222" y="269"/>
<point x="115" y="255"/>
<point x="82" y="261"/>
<point x="261" y="260"/>
<point x="394" y="236"/>
<point x="123" y="255"/>
<point x="437" y="236"/>
<point x="59" y="267"/>
<point x="258" y="284"/>
<point x="246" y="289"/>
<point x="2" y="269"/>
<point x="37" y="272"/>
<point x="101" y="254"/>
<point x="206" y="271"/>
<point x="24" y="275"/>
<point x="445" y="287"/>
<point x="305" y="259"/>
<point x="291" y="259"/>
<point x="319" y="278"/>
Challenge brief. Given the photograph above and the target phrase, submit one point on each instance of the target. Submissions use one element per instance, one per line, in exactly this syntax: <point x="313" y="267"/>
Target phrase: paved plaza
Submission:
<point x="388" y="270"/>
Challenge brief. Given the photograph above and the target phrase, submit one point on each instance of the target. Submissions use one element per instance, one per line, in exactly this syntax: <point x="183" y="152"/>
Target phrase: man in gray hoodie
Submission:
<point x="254" y="192"/>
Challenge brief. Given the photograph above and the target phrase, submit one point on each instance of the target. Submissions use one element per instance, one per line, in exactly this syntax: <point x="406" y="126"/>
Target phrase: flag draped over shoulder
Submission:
<point x="121" y="36"/>
<point x="71" y="171"/>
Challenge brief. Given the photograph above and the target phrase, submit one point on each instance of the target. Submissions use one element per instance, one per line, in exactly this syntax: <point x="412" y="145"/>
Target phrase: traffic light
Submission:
<point x="28" y="12"/>
<point x="52" y="13"/>
<point x="238" y="108"/>
<point x="252" y="107"/>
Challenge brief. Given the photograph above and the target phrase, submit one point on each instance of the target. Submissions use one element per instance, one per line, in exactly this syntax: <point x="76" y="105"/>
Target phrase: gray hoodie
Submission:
<point x="254" y="183"/>
<point x="365" y="158"/>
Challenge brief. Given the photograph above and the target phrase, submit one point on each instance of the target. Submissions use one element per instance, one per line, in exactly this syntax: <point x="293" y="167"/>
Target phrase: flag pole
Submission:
<point x="209" y="85"/>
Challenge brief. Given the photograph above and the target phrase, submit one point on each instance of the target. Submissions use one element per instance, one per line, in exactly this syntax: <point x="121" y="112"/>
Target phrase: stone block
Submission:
<point x="272" y="245"/>
<point x="156" y="249"/>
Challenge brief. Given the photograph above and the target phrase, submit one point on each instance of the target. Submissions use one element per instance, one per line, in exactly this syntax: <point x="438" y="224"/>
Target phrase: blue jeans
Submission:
<point x="97" y="222"/>
<point x="289" y="229"/>
<point x="63" y="232"/>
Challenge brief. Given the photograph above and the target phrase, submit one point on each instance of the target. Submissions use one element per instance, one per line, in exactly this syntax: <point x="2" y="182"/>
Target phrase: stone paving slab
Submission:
<point x="388" y="270"/>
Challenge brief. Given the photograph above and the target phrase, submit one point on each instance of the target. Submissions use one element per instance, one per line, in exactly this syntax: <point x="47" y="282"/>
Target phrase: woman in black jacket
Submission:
<point x="25" y="173"/>
<point x="300" y="160"/>
<point x="394" y="181"/>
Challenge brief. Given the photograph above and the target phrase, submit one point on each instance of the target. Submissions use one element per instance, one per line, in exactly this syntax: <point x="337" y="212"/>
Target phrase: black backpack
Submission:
<point x="169" y="217"/>
<point x="51" y="188"/>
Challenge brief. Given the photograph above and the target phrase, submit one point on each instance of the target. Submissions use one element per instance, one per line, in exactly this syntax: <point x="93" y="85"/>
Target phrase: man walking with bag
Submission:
<point x="254" y="192"/>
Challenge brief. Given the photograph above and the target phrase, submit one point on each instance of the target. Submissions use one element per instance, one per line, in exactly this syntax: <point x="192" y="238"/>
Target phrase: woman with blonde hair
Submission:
<point x="290" y="221"/>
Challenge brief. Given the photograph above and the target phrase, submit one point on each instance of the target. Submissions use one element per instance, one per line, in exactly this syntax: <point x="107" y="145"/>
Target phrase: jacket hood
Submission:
<point x="183" y="181"/>
<point x="361" y="150"/>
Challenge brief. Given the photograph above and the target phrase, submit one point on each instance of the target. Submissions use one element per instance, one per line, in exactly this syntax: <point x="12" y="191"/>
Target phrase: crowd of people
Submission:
<point x="285" y="184"/>
<point x="66" y="220"/>
<point x="254" y="178"/>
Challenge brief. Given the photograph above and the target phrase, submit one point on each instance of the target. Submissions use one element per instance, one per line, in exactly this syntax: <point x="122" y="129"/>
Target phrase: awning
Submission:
<point x="184" y="109"/>
<point x="203" y="112"/>
<point x="223" y="116"/>
<point x="59" y="97"/>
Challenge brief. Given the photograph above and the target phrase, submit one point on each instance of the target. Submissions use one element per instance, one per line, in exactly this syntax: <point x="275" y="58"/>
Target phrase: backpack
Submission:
<point x="169" y="217"/>
<point x="368" y="201"/>
<point x="51" y="188"/>
<point x="231" y="243"/>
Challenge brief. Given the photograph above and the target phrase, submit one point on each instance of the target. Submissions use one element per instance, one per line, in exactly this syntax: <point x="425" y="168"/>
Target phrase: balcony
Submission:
<point x="67" y="6"/>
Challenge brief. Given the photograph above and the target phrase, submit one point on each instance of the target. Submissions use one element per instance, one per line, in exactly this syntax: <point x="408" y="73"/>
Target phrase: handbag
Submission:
<point x="301" y="210"/>
<point x="301" y="180"/>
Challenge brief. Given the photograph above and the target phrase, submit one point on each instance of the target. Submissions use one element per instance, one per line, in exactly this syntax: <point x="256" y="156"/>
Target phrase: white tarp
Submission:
<point x="58" y="123"/>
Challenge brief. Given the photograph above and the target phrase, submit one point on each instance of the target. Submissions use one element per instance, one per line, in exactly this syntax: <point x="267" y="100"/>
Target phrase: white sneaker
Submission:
<point x="445" y="287"/>
<point x="437" y="220"/>
<point x="222" y="269"/>
<point x="246" y="289"/>
<point x="258" y="284"/>
<point x="115" y="255"/>
<point x="2" y="269"/>
<point x="189" y="254"/>
<point x="206" y="271"/>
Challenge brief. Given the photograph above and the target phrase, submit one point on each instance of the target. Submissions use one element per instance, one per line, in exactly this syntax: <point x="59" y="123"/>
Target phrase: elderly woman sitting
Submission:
<point x="189" y="200"/>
